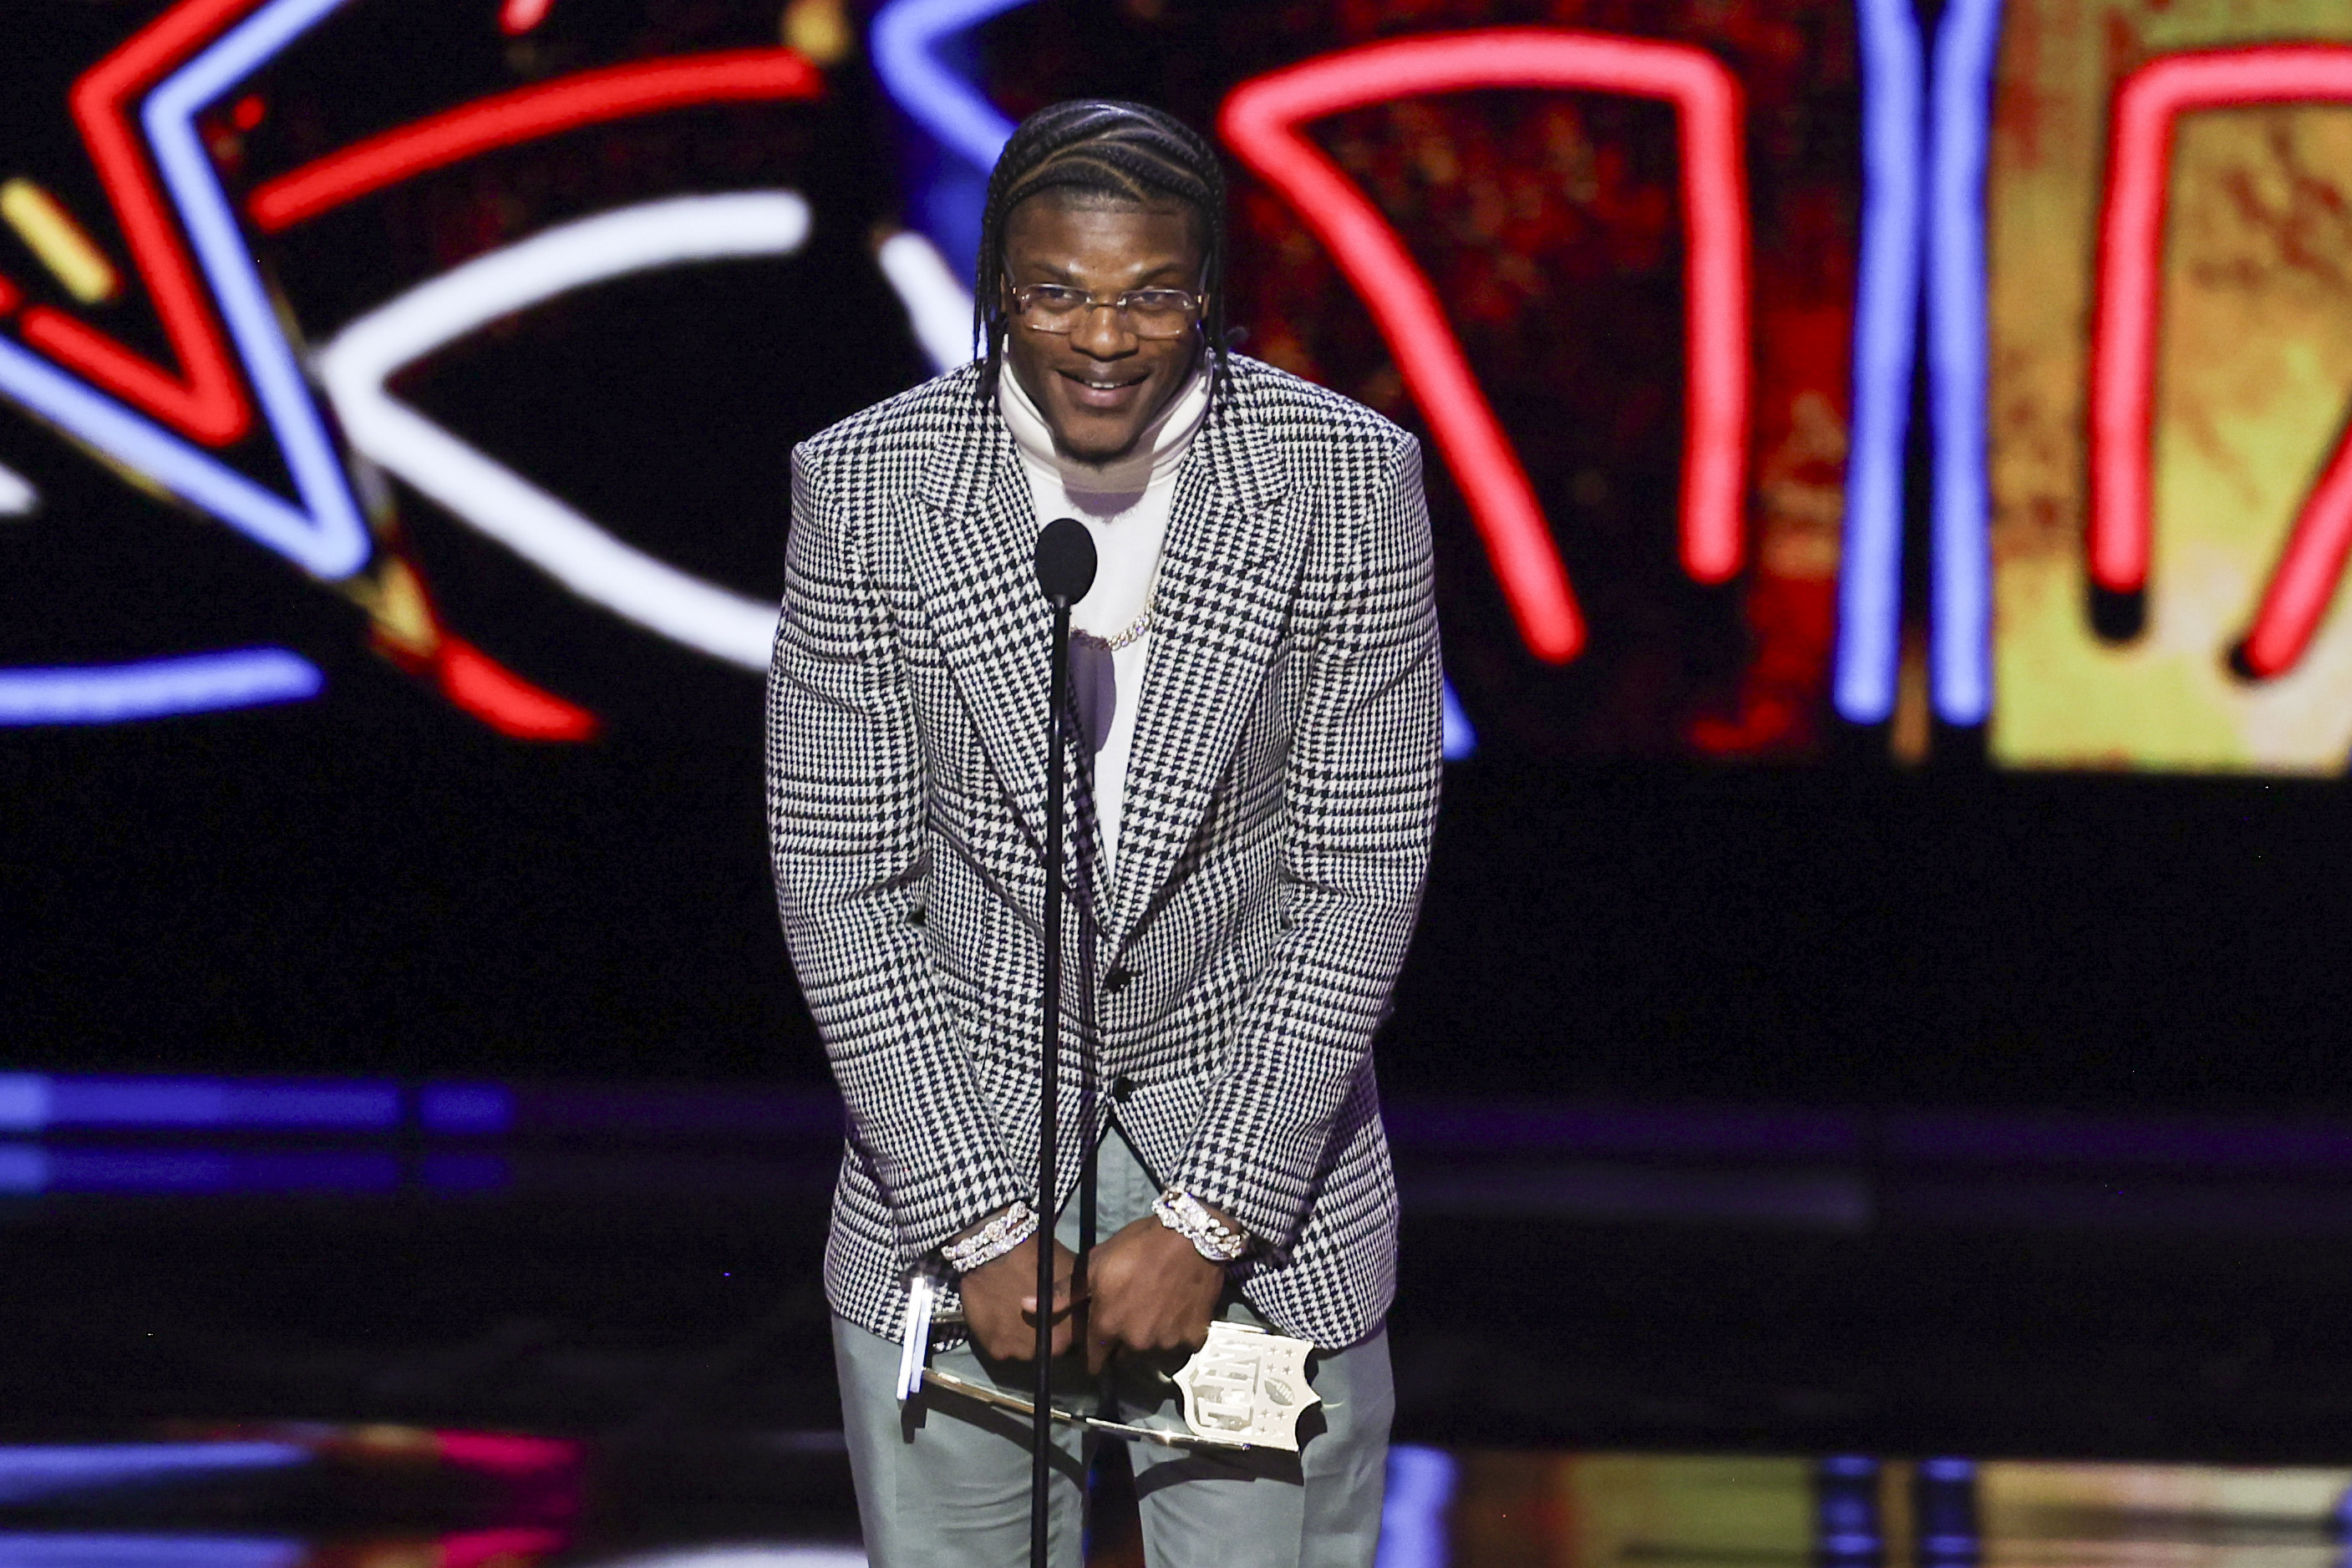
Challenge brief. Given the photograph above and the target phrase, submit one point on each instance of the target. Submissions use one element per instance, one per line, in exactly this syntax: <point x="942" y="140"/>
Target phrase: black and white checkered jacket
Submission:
<point x="1220" y="998"/>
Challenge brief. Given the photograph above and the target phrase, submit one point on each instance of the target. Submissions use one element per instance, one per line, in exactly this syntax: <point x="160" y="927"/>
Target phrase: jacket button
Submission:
<point x="1116" y="979"/>
<point x="1121" y="1087"/>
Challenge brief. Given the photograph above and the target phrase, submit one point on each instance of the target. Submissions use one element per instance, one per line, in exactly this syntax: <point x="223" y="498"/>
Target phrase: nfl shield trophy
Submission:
<point x="1249" y="1385"/>
<point x="1246" y="1388"/>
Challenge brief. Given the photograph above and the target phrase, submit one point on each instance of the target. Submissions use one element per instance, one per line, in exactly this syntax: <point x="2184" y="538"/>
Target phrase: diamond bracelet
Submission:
<point x="994" y="1239"/>
<point x="1213" y="1239"/>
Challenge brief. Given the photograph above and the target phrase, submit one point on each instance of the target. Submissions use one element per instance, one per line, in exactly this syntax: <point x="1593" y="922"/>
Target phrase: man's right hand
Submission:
<point x="1000" y="1299"/>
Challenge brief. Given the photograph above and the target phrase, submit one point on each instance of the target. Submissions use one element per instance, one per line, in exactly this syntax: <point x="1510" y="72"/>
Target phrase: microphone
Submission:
<point x="1066" y="561"/>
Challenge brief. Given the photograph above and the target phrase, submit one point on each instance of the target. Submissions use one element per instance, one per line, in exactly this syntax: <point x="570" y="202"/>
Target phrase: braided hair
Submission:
<point x="1126" y="153"/>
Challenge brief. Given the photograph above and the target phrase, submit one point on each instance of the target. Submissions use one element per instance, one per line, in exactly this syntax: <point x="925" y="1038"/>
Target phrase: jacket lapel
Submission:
<point x="1232" y="552"/>
<point x="975" y="550"/>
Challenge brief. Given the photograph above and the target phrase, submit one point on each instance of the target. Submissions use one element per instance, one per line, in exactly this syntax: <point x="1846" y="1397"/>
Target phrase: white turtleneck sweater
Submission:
<point x="1125" y="506"/>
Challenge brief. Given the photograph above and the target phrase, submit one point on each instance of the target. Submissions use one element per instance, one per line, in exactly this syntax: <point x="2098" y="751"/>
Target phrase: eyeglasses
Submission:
<point x="1146" y="312"/>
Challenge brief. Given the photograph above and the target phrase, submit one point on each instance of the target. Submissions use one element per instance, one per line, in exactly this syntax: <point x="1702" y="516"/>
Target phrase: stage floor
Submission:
<point x="279" y="1495"/>
<point x="640" y="1268"/>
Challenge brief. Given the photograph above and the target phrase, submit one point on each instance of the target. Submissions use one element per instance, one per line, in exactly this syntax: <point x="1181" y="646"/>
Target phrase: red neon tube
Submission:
<point x="1264" y="120"/>
<point x="2307" y="575"/>
<point x="506" y="702"/>
<point x="544" y="109"/>
<point x="2124" y="342"/>
<point x="205" y="401"/>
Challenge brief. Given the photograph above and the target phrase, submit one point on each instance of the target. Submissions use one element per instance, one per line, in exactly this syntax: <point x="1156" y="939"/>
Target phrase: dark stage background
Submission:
<point x="379" y="891"/>
<point x="1740" y="847"/>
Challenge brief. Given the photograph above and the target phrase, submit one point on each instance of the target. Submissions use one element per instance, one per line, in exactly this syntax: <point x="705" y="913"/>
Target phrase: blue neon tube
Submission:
<point x="156" y="688"/>
<point x="1960" y="649"/>
<point x="904" y="34"/>
<point x="340" y="545"/>
<point x="1886" y="297"/>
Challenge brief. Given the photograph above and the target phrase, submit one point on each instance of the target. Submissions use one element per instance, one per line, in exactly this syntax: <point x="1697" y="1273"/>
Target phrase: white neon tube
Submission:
<point x="493" y="499"/>
<point x="939" y="307"/>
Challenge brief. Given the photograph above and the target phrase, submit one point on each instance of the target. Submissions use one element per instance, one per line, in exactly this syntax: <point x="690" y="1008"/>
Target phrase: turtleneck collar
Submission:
<point x="1156" y="454"/>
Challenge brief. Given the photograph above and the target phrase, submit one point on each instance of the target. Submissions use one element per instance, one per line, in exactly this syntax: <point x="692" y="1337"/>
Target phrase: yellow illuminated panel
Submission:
<point x="2254" y="378"/>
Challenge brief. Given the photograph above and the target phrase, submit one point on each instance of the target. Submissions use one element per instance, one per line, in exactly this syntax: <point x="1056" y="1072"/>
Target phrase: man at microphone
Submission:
<point x="1256" y="759"/>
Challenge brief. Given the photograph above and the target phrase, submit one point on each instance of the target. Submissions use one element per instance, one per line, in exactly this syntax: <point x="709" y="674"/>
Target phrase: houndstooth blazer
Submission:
<point x="1222" y="994"/>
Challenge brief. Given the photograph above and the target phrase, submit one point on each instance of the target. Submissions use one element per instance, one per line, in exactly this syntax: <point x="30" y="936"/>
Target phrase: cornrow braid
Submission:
<point x="1128" y="151"/>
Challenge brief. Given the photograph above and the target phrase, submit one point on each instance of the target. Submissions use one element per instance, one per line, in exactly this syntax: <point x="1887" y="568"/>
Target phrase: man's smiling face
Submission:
<point x="1100" y="384"/>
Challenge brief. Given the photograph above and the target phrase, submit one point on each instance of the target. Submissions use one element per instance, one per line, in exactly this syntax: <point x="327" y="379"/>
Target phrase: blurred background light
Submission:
<point x="1414" y="1527"/>
<point x="28" y="1472"/>
<point x="18" y="498"/>
<point x="30" y="1550"/>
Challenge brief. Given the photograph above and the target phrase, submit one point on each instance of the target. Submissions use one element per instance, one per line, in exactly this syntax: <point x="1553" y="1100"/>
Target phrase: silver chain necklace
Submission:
<point x="1135" y="628"/>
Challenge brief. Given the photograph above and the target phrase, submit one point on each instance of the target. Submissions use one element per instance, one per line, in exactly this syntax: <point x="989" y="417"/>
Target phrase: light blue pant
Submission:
<point x="943" y="1481"/>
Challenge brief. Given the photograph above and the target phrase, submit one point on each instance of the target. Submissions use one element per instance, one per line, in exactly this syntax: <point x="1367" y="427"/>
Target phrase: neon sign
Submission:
<point x="494" y="499"/>
<point x="1263" y="121"/>
<point x="322" y="529"/>
<point x="2124" y="341"/>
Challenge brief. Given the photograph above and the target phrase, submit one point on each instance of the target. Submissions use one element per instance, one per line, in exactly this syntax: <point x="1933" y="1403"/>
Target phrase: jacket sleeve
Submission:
<point x="1360" y="799"/>
<point x="846" y="805"/>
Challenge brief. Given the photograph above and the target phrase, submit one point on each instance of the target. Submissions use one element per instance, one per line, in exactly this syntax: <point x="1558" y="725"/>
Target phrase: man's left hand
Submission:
<point x="1149" y="1290"/>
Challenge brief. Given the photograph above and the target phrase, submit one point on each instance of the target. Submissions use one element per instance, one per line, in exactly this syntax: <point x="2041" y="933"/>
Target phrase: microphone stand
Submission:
<point x="1049" y="1112"/>
<point x="1066" y="570"/>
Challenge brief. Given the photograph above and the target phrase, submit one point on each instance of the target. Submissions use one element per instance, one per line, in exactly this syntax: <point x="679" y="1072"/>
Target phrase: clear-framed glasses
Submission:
<point x="1146" y="312"/>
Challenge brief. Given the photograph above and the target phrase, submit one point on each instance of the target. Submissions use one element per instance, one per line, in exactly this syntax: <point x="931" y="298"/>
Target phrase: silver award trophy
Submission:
<point x="1245" y="1389"/>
